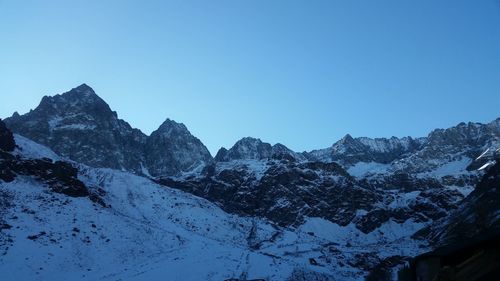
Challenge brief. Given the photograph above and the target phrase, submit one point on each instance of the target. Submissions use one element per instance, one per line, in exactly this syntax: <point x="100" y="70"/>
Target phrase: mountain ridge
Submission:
<point x="360" y="192"/>
<point x="80" y="125"/>
<point x="82" y="99"/>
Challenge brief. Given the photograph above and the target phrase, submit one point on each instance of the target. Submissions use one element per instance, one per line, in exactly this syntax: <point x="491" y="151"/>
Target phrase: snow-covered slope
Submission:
<point x="32" y="150"/>
<point x="130" y="228"/>
<point x="263" y="211"/>
<point x="478" y="213"/>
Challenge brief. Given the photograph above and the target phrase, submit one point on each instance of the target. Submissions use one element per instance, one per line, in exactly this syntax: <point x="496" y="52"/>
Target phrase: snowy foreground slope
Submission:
<point x="254" y="211"/>
<point x="144" y="231"/>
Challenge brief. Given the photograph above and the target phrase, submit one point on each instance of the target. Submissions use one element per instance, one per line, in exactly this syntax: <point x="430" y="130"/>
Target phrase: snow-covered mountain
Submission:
<point x="287" y="191"/>
<point x="172" y="149"/>
<point x="442" y="151"/>
<point x="362" y="181"/>
<point x="256" y="210"/>
<point x="80" y="125"/>
<point x="254" y="149"/>
<point x="62" y="220"/>
<point x="478" y="213"/>
<point x="351" y="150"/>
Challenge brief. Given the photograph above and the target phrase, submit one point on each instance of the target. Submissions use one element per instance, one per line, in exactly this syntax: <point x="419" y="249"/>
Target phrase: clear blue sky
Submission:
<point x="303" y="73"/>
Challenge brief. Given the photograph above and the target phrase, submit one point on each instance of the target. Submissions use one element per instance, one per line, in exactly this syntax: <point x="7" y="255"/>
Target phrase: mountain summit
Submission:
<point x="314" y="208"/>
<point x="249" y="148"/>
<point x="80" y="125"/>
<point x="172" y="148"/>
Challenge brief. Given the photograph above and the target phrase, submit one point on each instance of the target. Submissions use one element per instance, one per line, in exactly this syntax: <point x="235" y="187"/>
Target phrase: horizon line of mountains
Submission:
<point x="80" y="125"/>
<point x="395" y="193"/>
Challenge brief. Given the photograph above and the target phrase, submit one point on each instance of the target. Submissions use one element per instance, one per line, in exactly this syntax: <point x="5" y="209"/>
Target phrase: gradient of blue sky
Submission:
<point x="303" y="73"/>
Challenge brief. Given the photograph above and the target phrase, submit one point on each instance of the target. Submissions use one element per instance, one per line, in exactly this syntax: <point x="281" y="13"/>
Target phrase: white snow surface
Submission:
<point x="256" y="167"/>
<point x="75" y="127"/>
<point x="455" y="167"/>
<point x="30" y="149"/>
<point x="385" y="145"/>
<point x="152" y="232"/>
<point x="489" y="163"/>
<point x="158" y="233"/>
<point x="155" y="233"/>
<point x="362" y="169"/>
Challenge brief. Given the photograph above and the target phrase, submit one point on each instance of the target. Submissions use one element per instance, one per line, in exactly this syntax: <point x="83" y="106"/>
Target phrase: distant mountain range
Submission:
<point x="81" y="126"/>
<point x="354" y="180"/>
<point x="390" y="192"/>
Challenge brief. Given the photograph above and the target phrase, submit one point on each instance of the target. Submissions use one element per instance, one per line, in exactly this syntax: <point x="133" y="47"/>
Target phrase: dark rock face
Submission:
<point x="429" y="205"/>
<point x="477" y="213"/>
<point x="405" y="182"/>
<point x="409" y="155"/>
<point x="7" y="142"/>
<point x="172" y="148"/>
<point x="466" y="140"/>
<point x="255" y="178"/>
<point x="382" y="271"/>
<point x="250" y="179"/>
<point x="251" y="148"/>
<point x="246" y="148"/>
<point x="81" y="126"/>
<point x="60" y="176"/>
<point x="465" y="134"/>
<point x="285" y="193"/>
<point x="351" y="150"/>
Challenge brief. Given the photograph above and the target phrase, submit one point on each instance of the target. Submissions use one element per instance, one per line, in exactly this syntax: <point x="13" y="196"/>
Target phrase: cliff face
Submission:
<point x="477" y="213"/>
<point x="280" y="206"/>
<point x="80" y="125"/>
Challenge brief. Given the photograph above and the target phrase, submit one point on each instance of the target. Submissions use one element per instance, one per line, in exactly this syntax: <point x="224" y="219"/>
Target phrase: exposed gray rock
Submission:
<point x="477" y="213"/>
<point x="424" y="179"/>
<point x="172" y="148"/>
<point x="414" y="155"/>
<point x="349" y="150"/>
<point x="256" y="178"/>
<point x="60" y="176"/>
<point x="80" y="125"/>
<point x="7" y="142"/>
<point x="254" y="149"/>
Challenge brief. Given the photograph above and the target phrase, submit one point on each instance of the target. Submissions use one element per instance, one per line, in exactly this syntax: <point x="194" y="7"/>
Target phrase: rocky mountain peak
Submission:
<point x="221" y="154"/>
<point x="347" y="139"/>
<point x="249" y="143"/>
<point x="249" y="148"/>
<point x="466" y="134"/>
<point x="78" y="124"/>
<point x="170" y="128"/>
<point x="81" y="126"/>
<point x="246" y="148"/>
<point x="346" y="143"/>
<point x="349" y="150"/>
<point x="82" y="95"/>
<point x="495" y="125"/>
<point x="172" y="149"/>
<point x="84" y="88"/>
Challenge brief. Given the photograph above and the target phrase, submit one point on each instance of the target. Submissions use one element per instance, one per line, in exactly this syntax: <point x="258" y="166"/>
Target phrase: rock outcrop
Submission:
<point x="81" y="126"/>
